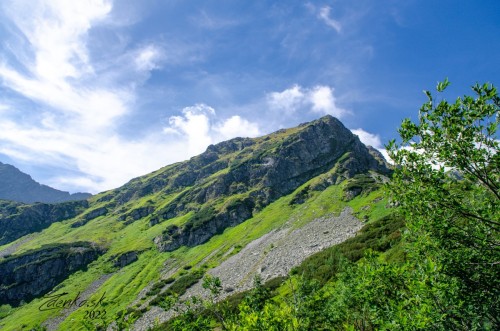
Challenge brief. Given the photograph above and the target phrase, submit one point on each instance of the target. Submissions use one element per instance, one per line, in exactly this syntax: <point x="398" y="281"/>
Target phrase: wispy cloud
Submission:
<point x="209" y="21"/>
<point x="79" y="101"/>
<point x="324" y="15"/>
<point x="319" y="99"/>
<point x="147" y="58"/>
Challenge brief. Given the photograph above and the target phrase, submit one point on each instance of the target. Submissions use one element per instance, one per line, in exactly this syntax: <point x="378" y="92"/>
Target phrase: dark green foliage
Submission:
<point x="169" y="280"/>
<point x="270" y="286"/>
<point x="448" y="187"/>
<point x="184" y="282"/>
<point x="178" y="287"/>
<point x="156" y="288"/>
<point x="301" y="196"/>
<point x="8" y="208"/>
<point x="210" y="312"/>
<point x="360" y="184"/>
<point x="125" y="319"/>
<point x="365" y="183"/>
<point x="171" y="230"/>
<point x="203" y="216"/>
<point x="247" y="203"/>
<point x="258" y="295"/>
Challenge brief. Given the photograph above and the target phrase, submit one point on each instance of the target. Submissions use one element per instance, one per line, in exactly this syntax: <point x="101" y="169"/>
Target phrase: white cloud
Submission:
<point x="235" y="126"/>
<point x="56" y="31"/>
<point x="195" y="125"/>
<point x="199" y="127"/>
<point x="74" y="124"/>
<point x="288" y="100"/>
<point x="147" y="58"/>
<point x="324" y="15"/>
<point x="368" y="138"/>
<point x="324" y="101"/>
<point x="371" y="139"/>
<point x="319" y="99"/>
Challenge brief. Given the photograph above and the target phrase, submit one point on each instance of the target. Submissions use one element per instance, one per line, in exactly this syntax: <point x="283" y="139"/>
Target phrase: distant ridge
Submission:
<point x="17" y="186"/>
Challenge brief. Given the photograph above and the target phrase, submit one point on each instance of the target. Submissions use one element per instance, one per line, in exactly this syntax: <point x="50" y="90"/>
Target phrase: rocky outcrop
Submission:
<point x="136" y="214"/>
<point x="263" y="170"/>
<point x="90" y="215"/>
<point x="202" y="228"/>
<point x="124" y="259"/>
<point x="35" y="273"/>
<point x="18" y="186"/>
<point x="17" y="220"/>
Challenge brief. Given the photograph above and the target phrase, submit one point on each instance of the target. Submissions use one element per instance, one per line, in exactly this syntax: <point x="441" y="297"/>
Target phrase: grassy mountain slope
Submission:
<point x="170" y="227"/>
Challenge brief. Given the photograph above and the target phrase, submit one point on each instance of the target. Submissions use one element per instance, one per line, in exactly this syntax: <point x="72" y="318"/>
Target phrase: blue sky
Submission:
<point x="96" y="92"/>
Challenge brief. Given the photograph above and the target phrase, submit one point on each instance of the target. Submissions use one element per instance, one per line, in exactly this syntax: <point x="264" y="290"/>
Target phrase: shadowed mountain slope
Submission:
<point x="18" y="186"/>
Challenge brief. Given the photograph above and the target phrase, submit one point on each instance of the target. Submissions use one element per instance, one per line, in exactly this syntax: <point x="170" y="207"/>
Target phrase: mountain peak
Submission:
<point x="17" y="186"/>
<point x="256" y="170"/>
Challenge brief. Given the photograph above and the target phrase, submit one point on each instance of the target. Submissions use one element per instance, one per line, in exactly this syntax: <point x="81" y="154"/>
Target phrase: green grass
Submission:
<point x="121" y="289"/>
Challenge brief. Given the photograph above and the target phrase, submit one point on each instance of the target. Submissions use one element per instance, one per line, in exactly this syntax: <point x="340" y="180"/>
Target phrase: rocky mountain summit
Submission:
<point x="18" y="186"/>
<point x="260" y="171"/>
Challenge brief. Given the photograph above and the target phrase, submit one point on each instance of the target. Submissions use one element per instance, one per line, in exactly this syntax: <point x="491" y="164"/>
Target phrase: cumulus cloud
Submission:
<point x="195" y="125"/>
<point x="288" y="100"/>
<point x="368" y="138"/>
<point x="319" y="99"/>
<point x="371" y="139"/>
<point x="323" y="101"/>
<point x="236" y="126"/>
<point x="201" y="127"/>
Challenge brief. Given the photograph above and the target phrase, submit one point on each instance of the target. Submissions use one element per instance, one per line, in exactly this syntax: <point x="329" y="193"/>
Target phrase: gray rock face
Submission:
<point x="18" y="186"/>
<point x="136" y="214"/>
<point x="265" y="174"/>
<point x="35" y="273"/>
<point x="125" y="259"/>
<point x="17" y="220"/>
